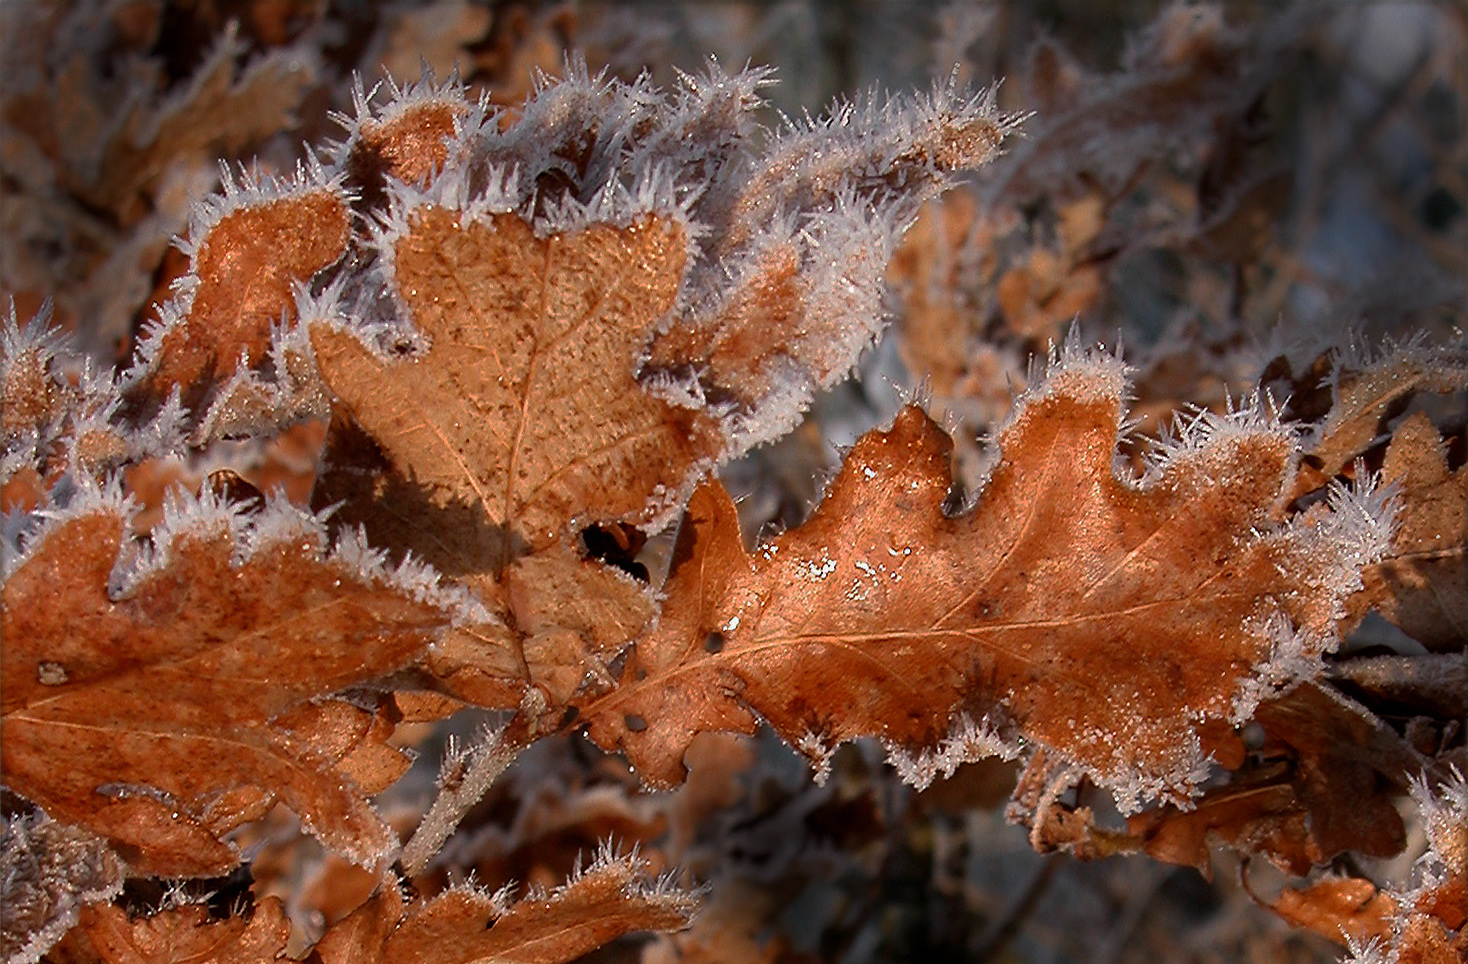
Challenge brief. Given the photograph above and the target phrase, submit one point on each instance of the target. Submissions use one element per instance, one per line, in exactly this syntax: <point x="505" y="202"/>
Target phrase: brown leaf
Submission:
<point x="731" y="928"/>
<point x="463" y="925"/>
<point x="524" y="410"/>
<point x="1327" y="781"/>
<point x="220" y="111"/>
<point x="1338" y="908"/>
<point x="166" y="713"/>
<point x="1043" y="295"/>
<point x="1117" y="621"/>
<point x="107" y="935"/>
<point x="521" y="420"/>
<point x="248" y="252"/>
<point x="1366" y="391"/>
<point x="408" y="142"/>
<point x="1424" y="940"/>
<point x="1422" y="584"/>
<point x="32" y="393"/>
<point x="1262" y="817"/>
<point x="1348" y="769"/>
<point x="938" y="324"/>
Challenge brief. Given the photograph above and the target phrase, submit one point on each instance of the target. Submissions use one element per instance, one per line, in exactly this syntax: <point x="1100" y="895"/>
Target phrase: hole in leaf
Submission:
<point x="229" y="896"/>
<point x="229" y="486"/>
<point x="634" y="722"/>
<point x="616" y="545"/>
<point x="713" y="642"/>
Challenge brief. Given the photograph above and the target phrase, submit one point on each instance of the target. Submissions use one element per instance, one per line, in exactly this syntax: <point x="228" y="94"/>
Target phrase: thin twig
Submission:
<point x="463" y="780"/>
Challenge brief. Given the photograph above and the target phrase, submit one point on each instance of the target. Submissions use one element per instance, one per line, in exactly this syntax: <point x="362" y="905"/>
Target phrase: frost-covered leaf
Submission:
<point x="1179" y="75"/>
<point x="803" y="234"/>
<point x="107" y="934"/>
<point x="48" y="873"/>
<point x="522" y="418"/>
<point x="1325" y="780"/>
<point x="1367" y="388"/>
<point x="163" y="699"/>
<point x="524" y="409"/>
<point x="248" y="249"/>
<point x="221" y="109"/>
<point x="1422" y="583"/>
<point x="62" y="415"/>
<point x="1429" y="918"/>
<point x="408" y="139"/>
<point x="463" y="925"/>
<point x="31" y="392"/>
<point x="111" y="127"/>
<point x="556" y="329"/>
<point x="1337" y="908"/>
<point x="1120" y="622"/>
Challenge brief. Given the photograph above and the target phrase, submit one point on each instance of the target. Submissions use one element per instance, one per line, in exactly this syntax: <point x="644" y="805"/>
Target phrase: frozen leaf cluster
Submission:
<point x="498" y="353"/>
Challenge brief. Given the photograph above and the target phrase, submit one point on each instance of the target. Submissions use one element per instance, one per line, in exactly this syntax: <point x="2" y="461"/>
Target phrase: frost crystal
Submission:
<point x="966" y="742"/>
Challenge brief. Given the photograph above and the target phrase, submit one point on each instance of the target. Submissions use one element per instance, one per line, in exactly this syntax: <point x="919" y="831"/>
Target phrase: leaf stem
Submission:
<point x="479" y="766"/>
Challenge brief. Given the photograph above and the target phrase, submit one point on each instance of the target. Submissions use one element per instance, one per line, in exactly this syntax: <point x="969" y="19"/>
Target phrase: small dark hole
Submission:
<point x="634" y="722"/>
<point x="569" y="717"/>
<point x="229" y="486"/>
<point x="616" y="545"/>
<point x="954" y="502"/>
<point x="713" y="642"/>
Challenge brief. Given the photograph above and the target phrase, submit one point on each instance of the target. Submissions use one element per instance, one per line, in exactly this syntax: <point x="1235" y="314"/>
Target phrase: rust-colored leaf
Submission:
<point x="1117" y="621"/>
<point x="1422" y="584"/>
<point x="461" y="926"/>
<point x="1326" y="782"/>
<point x="522" y="420"/>
<point x="222" y="109"/>
<point x="247" y="255"/>
<point x="106" y="934"/>
<point x="1262" y="817"/>
<point x="164" y="713"/>
<point x="525" y="410"/>
<point x="1366" y="391"/>
<point x="410" y="141"/>
<point x="1338" y="908"/>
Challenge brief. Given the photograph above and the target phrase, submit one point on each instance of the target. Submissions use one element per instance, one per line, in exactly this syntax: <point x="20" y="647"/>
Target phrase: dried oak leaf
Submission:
<point x="33" y="394"/>
<point x="48" y="873"/>
<point x="1366" y="390"/>
<point x="1422" y="584"/>
<point x="1120" y="621"/>
<point x="1431" y="924"/>
<point x="165" y="711"/>
<point x="1338" y="908"/>
<point x="1042" y="295"/>
<point x="407" y="140"/>
<point x="1261" y="815"/>
<point x="106" y="934"/>
<point x="248" y="249"/>
<point x="462" y="925"/>
<point x="522" y="420"/>
<point x="1330" y="776"/>
<point x="221" y="110"/>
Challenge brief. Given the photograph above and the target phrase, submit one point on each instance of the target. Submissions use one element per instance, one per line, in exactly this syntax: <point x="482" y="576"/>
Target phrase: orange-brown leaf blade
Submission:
<point x="1112" y="619"/>
<point x="591" y="910"/>
<point x="158" y="715"/>
<point x="524" y="413"/>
